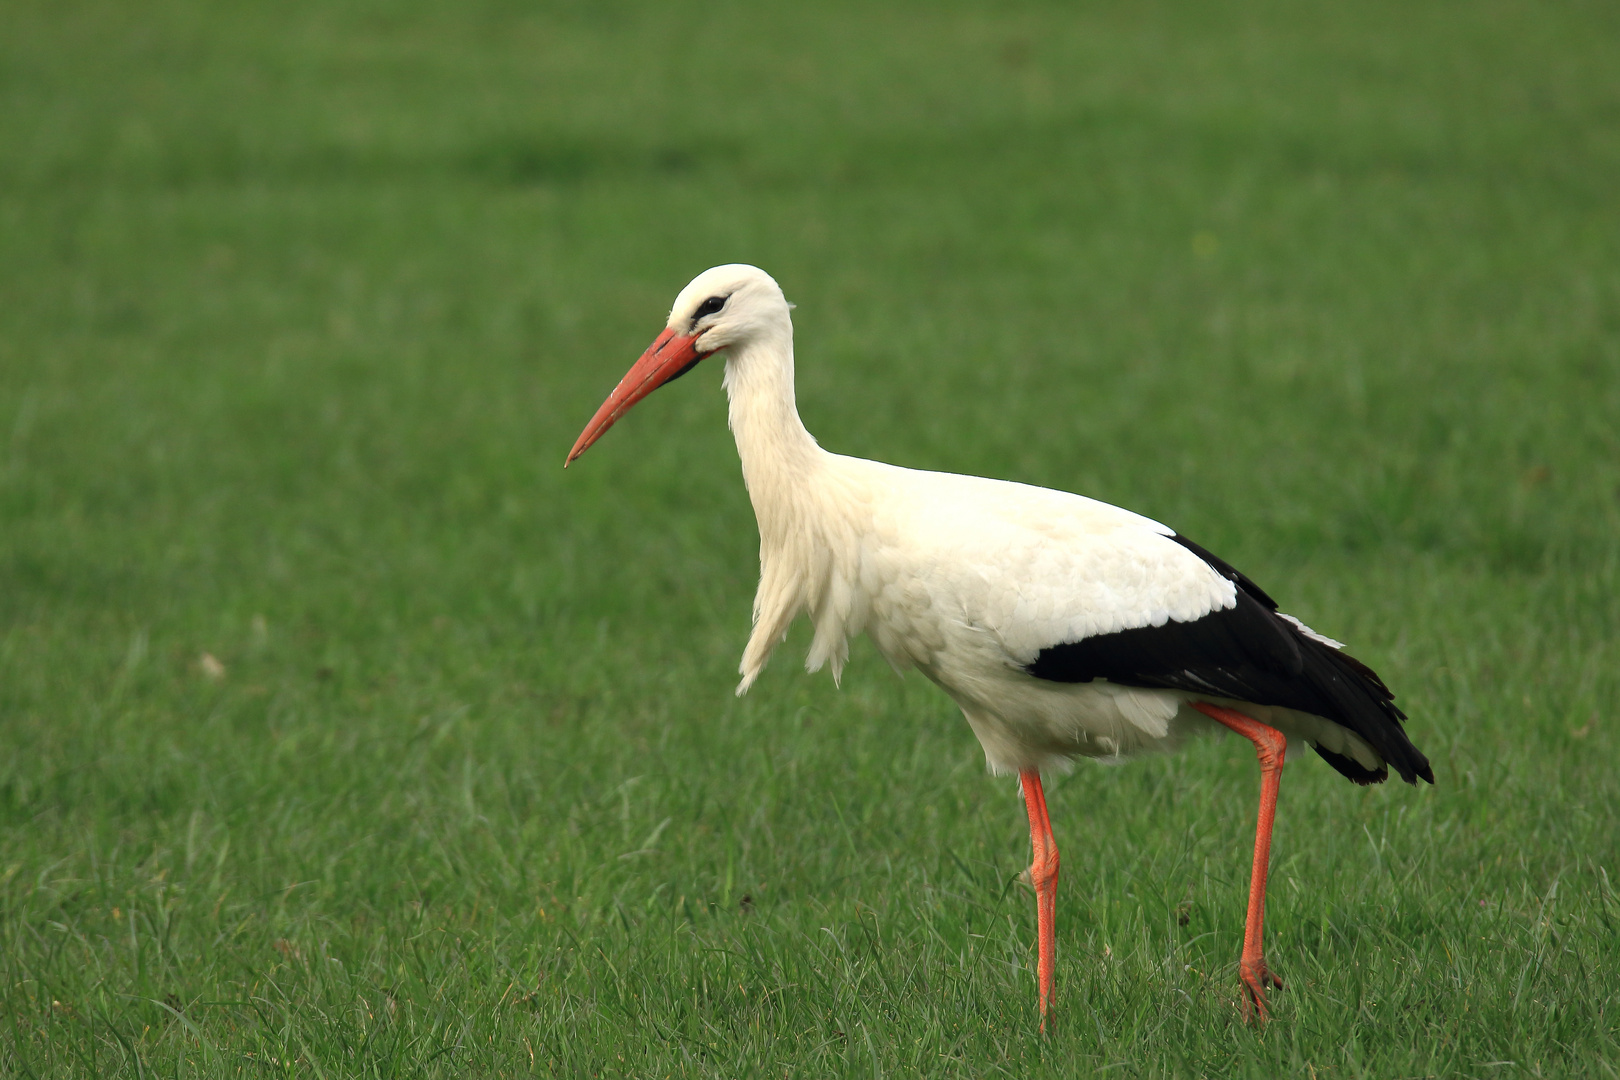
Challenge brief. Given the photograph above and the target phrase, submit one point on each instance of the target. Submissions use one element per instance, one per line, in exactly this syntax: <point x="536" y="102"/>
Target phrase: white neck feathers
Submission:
<point x="804" y="539"/>
<point x="777" y="452"/>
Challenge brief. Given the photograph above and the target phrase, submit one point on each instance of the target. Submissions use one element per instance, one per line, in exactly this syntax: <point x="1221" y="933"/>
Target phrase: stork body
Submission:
<point x="1063" y="627"/>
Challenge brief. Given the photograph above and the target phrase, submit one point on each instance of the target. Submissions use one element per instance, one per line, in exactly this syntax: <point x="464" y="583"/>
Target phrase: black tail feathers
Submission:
<point x="1365" y="705"/>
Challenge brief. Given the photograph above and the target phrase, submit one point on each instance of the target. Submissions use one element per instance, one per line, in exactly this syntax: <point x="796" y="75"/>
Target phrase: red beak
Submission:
<point x="670" y="355"/>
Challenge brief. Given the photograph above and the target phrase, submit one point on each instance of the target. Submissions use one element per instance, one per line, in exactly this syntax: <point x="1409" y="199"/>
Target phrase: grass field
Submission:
<point x="345" y="735"/>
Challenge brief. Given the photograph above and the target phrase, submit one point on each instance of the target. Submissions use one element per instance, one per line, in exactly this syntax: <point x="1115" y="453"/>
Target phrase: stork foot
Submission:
<point x="1257" y="978"/>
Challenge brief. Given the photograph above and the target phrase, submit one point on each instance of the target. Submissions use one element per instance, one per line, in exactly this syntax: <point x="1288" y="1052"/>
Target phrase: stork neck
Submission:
<point x="777" y="452"/>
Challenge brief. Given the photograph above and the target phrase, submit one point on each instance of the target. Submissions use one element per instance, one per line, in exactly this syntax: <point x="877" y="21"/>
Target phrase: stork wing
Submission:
<point x="1077" y="590"/>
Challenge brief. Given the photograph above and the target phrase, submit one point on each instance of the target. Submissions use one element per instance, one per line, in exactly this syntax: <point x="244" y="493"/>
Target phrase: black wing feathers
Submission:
<point x="1353" y="769"/>
<point x="1248" y="653"/>
<point x="1226" y="570"/>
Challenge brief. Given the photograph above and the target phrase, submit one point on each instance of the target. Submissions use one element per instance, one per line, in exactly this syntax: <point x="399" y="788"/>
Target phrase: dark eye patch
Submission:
<point x="710" y="306"/>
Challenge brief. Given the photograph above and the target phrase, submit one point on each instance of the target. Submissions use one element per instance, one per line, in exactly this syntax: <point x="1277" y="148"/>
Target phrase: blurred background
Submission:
<point x="344" y="734"/>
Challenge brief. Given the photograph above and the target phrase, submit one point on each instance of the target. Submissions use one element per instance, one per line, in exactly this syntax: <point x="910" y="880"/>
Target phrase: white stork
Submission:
<point x="1063" y="627"/>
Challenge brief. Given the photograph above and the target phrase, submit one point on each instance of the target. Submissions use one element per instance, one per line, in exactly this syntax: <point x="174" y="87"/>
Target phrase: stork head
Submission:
<point x="722" y="307"/>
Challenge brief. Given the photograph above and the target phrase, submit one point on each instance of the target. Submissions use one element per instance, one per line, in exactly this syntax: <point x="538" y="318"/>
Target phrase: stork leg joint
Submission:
<point x="1043" y="870"/>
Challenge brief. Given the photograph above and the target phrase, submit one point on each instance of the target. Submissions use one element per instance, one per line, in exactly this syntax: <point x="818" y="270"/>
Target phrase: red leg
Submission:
<point x="1269" y="745"/>
<point x="1043" y="872"/>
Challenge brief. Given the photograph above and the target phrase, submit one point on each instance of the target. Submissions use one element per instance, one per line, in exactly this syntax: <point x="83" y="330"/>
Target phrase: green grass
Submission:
<point x="302" y="304"/>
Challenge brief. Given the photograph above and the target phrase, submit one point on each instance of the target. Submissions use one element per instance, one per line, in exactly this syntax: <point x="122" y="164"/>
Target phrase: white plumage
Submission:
<point x="967" y="580"/>
<point x="971" y="580"/>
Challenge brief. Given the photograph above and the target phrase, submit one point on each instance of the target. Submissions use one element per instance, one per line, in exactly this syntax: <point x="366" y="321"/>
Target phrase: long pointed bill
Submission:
<point x="667" y="357"/>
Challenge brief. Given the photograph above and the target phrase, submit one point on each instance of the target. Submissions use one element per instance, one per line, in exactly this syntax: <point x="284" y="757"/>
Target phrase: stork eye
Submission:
<point x="710" y="306"/>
